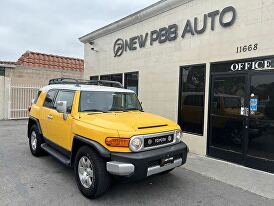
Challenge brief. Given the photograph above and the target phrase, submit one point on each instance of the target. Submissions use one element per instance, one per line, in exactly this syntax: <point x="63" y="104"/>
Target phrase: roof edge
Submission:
<point x="8" y="65"/>
<point x="139" y="16"/>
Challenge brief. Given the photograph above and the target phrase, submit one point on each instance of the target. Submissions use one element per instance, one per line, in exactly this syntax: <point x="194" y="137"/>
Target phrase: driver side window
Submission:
<point x="67" y="96"/>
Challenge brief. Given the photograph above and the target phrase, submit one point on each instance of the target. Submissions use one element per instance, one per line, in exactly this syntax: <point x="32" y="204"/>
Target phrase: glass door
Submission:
<point x="260" y="147"/>
<point x="228" y="117"/>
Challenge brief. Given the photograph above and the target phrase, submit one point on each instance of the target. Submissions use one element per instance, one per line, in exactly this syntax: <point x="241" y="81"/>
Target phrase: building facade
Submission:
<point x="206" y="64"/>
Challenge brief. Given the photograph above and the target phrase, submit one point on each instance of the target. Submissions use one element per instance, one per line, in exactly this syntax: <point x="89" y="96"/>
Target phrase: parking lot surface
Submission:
<point x="27" y="180"/>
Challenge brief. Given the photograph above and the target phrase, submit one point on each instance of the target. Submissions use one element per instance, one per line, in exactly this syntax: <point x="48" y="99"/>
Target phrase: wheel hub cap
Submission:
<point x="85" y="172"/>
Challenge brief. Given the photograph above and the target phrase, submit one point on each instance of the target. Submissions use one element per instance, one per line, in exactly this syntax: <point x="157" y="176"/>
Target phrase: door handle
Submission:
<point x="50" y="117"/>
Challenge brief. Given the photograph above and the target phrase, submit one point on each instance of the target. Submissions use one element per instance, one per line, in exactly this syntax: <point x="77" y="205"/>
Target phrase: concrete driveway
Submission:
<point x="27" y="180"/>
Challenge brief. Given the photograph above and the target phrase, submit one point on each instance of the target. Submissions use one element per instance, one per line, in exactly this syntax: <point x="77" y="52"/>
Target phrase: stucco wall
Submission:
<point x="39" y="76"/>
<point x="158" y="65"/>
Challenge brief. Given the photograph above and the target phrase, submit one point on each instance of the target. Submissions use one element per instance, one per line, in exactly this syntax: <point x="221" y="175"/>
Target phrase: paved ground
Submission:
<point x="26" y="180"/>
<point x="255" y="181"/>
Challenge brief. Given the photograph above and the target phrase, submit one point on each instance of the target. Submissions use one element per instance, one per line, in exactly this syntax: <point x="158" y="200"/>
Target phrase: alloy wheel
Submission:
<point x="86" y="172"/>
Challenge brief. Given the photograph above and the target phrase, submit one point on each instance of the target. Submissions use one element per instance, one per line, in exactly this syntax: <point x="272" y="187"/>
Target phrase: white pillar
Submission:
<point x="7" y="98"/>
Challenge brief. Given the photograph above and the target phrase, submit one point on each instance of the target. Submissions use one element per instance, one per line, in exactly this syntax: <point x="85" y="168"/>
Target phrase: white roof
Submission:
<point x="84" y="88"/>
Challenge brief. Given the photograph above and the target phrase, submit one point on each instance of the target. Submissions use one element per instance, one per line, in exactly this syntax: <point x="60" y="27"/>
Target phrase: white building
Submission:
<point x="203" y="63"/>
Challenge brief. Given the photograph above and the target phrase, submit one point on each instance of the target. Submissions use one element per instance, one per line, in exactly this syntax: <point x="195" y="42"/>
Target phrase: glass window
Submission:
<point x="36" y="97"/>
<point x="113" y="77"/>
<point x="49" y="101"/>
<point x="117" y="78"/>
<point x="94" y="77"/>
<point x="194" y="100"/>
<point x="67" y="96"/>
<point x="108" y="101"/>
<point x="192" y="90"/>
<point x="131" y="81"/>
<point x="105" y="77"/>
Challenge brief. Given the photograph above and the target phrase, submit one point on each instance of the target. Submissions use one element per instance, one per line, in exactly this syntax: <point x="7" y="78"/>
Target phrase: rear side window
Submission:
<point x="36" y="97"/>
<point x="67" y="96"/>
<point x="49" y="101"/>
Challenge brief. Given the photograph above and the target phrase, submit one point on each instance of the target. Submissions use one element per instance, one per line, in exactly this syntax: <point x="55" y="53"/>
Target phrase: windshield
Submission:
<point x="108" y="101"/>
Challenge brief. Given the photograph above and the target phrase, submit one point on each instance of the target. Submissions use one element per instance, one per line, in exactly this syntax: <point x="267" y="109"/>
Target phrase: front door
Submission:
<point x="260" y="147"/>
<point x="241" y="118"/>
<point x="60" y="127"/>
<point x="228" y="117"/>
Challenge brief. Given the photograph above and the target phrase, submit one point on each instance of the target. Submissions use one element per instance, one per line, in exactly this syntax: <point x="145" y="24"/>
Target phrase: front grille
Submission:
<point x="159" y="140"/>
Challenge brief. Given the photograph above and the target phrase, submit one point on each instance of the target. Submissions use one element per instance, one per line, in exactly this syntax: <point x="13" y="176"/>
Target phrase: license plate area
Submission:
<point x="167" y="160"/>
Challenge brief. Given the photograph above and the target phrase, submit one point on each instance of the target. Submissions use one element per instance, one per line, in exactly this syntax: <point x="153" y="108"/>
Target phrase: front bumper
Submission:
<point x="143" y="164"/>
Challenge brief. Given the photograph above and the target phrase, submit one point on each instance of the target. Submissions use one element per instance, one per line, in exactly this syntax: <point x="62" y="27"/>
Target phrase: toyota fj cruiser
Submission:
<point x="100" y="129"/>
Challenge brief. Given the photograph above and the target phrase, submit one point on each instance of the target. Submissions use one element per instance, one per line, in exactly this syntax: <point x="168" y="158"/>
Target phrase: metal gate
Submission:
<point x="20" y="97"/>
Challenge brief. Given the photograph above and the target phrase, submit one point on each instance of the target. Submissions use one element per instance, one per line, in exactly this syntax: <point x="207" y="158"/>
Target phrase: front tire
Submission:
<point x="35" y="141"/>
<point x="91" y="175"/>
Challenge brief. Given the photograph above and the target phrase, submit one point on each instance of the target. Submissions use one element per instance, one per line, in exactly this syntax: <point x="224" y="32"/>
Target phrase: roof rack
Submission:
<point x="79" y="82"/>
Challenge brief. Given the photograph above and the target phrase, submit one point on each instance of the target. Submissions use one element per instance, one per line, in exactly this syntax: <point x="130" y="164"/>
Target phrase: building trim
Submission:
<point x="137" y="17"/>
<point x="7" y="66"/>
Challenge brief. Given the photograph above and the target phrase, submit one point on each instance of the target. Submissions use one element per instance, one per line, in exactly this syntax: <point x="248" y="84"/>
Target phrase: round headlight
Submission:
<point x="135" y="144"/>
<point x="178" y="135"/>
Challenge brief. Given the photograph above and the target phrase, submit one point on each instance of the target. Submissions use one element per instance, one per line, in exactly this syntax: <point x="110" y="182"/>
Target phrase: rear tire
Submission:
<point x="91" y="175"/>
<point x="35" y="141"/>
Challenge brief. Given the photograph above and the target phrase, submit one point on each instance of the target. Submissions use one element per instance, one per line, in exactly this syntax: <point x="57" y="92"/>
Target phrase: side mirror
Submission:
<point x="61" y="107"/>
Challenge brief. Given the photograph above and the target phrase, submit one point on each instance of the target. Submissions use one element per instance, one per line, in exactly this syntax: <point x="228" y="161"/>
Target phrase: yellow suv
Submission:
<point x="100" y="129"/>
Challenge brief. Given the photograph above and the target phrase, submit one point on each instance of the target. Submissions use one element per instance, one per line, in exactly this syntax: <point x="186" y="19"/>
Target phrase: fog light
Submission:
<point x="135" y="144"/>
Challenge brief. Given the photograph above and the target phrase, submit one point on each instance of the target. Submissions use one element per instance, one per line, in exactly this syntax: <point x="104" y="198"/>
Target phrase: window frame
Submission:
<point x="181" y="98"/>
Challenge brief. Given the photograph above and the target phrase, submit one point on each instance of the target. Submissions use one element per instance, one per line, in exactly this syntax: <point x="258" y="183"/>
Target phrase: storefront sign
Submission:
<point x="225" y="18"/>
<point x="252" y="65"/>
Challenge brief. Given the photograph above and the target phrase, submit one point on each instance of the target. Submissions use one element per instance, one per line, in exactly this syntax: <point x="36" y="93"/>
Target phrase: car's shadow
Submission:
<point x="153" y="189"/>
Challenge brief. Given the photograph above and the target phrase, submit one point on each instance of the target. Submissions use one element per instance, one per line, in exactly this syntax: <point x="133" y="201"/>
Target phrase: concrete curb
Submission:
<point x="255" y="181"/>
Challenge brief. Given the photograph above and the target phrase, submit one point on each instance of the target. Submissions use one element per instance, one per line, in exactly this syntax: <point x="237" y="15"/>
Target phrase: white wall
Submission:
<point x="158" y="65"/>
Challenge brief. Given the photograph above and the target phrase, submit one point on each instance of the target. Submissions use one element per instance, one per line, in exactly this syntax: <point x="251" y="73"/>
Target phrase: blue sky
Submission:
<point x="54" y="26"/>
